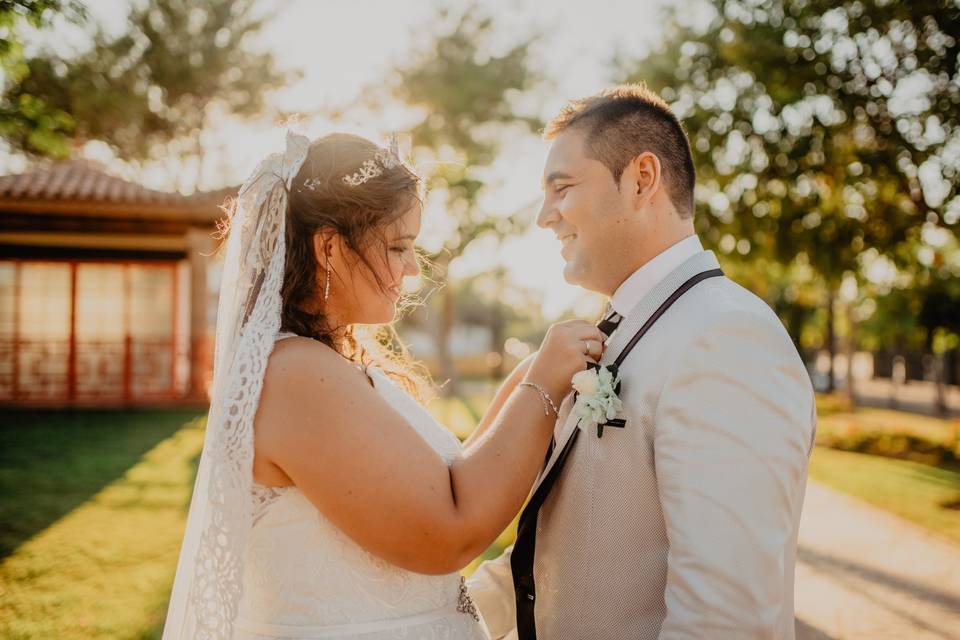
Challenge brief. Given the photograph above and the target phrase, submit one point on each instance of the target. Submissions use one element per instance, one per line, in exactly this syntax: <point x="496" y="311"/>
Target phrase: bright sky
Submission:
<point x="342" y="47"/>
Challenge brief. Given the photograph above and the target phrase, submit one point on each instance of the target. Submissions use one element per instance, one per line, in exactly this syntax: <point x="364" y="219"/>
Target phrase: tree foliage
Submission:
<point x="812" y="122"/>
<point x="824" y="133"/>
<point x="149" y="91"/>
<point x="28" y="117"/>
<point x="466" y="92"/>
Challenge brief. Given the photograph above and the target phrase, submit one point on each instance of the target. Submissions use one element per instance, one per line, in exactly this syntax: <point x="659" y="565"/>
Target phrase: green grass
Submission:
<point x="890" y="421"/>
<point x="92" y="509"/>
<point x="916" y="492"/>
<point x="892" y="434"/>
<point x="461" y="414"/>
<point x="113" y="490"/>
<point x="51" y="463"/>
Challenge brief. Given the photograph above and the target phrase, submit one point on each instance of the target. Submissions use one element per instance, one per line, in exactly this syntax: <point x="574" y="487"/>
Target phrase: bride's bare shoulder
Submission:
<point x="299" y="365"/>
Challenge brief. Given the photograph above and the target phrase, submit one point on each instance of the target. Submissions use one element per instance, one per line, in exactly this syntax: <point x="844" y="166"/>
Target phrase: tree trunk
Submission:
<point x="939" y="374"/>
<point x="448" y="370"/>
<point x="795" y="315"/>
<point x="831" y="339"/>
<point x="850" y="352"/>
<point x="497" y="330"/>
<point x="940" y="403"/>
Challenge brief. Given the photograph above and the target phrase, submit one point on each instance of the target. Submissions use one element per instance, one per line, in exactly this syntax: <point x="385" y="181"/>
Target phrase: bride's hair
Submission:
<point x="320" y="199"/>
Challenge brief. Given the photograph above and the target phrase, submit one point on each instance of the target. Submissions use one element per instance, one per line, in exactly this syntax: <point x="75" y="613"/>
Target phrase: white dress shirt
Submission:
<point x="632" y="290"/>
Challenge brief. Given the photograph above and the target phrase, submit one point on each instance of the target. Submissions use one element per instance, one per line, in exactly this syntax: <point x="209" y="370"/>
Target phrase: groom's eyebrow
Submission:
<point x="554" y="176"/>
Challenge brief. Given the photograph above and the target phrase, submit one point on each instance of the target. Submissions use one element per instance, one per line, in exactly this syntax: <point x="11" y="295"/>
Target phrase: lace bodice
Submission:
<point x="305" y="578"/>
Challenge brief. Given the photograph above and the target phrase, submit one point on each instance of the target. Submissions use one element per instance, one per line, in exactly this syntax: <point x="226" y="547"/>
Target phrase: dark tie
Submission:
<point x="610" y="322"/>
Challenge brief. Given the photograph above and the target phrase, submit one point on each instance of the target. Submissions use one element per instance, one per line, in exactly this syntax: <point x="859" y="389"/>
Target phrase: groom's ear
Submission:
<point x="642" y="176"/>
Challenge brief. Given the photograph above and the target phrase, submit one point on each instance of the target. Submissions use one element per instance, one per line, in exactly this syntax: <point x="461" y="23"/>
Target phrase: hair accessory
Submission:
<point x="388" y="158"/>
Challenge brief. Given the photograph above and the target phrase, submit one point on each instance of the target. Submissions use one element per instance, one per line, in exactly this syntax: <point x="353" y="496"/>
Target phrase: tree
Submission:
<point x="466" y="94"/>
<point x="149" y="91"/>
<point x="812" y="123"/>
<point x="29" y="117"/>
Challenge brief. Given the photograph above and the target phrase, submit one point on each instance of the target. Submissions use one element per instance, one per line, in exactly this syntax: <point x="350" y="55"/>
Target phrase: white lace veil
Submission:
<point x="208" y="585"/>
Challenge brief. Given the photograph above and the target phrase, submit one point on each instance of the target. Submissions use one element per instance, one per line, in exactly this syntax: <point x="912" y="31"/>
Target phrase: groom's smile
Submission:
<point x="582" y="206"/>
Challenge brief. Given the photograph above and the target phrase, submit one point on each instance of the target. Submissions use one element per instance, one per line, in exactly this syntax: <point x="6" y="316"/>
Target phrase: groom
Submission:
<point x="679" y="518"/>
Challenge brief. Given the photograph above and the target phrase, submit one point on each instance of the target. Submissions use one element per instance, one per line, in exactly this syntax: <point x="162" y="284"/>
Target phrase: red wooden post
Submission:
<point x="127" y="339"/>
<point x="72" y="358"/>
<point x="15" y="391"/>
<point x="173" y="329"/>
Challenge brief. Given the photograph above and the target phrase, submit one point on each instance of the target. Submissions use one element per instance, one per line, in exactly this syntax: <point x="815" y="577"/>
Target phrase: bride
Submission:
<point x="328" y="503"/>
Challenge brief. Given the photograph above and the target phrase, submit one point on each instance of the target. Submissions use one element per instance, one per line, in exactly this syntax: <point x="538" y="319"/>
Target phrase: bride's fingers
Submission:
<point x="593" y="348"/>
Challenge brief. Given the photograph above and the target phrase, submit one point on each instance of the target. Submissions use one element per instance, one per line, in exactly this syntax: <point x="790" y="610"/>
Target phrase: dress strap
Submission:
<point x="282" y="335"/>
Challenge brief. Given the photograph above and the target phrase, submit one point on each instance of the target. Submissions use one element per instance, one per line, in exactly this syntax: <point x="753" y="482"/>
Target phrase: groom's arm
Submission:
<point x="732" y="440"/>
<point x="491" y="587"/>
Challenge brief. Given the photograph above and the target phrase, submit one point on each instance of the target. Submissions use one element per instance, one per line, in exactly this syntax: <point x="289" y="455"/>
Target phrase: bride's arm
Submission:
<point x="500" y="398"/>
<point x="376" y="479"/>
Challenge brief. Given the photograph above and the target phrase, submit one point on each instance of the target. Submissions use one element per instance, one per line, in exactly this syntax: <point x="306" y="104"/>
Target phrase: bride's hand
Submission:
<point x="566" y="350"/>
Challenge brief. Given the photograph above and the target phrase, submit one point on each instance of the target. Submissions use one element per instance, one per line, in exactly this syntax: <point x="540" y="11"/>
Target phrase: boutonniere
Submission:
<point x="597" y="400"/>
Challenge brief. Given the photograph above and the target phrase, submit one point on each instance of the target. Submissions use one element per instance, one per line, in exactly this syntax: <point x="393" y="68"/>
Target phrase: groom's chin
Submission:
<point x="570" y="274"/>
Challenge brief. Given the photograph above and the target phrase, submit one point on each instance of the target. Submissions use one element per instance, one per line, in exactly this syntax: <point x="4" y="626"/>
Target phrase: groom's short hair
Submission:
<point x="624" y="121"/>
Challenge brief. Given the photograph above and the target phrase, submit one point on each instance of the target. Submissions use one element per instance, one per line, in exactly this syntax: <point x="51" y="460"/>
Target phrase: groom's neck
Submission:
<point x="649" y="249"/>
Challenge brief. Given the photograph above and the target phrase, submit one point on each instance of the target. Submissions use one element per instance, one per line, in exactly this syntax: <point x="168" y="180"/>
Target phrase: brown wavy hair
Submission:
<point x="319" y="199"/>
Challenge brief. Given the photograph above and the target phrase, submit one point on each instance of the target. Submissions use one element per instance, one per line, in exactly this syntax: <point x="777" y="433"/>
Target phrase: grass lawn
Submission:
<point x="890" y="421"/>
<point x="925" y="495"/>
<point x="93" y="508"/>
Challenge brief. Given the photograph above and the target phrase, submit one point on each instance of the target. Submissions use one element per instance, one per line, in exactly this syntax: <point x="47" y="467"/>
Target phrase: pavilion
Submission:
<point x="107" y="290"/>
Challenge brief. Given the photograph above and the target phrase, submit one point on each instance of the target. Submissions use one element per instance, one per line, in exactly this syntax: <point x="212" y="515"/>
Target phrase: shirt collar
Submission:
<point x="644" y="279"/>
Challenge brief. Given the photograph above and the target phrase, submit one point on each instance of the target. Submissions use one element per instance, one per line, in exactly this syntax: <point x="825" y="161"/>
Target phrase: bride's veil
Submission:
<point x="208" y="585"/>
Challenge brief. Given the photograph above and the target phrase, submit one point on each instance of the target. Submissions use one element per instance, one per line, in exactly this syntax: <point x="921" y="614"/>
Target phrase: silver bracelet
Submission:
<point x="545" y="397"/>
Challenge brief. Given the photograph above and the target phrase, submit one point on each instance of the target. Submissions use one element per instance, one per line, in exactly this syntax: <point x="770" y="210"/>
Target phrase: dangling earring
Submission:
<point x="326" y="285"/>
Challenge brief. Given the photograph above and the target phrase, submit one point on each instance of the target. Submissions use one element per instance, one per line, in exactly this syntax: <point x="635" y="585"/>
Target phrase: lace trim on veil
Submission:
<point x="208" y="586"/>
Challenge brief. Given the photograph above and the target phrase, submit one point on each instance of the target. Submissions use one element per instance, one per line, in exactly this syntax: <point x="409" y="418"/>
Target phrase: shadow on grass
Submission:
<point x="50" y="463"/>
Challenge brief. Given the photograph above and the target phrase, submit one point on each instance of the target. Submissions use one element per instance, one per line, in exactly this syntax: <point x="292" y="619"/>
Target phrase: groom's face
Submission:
<point x="584" y="208"/>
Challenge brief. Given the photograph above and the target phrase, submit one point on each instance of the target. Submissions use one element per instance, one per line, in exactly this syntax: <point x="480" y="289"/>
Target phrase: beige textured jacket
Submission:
<point x="684" y="523"/>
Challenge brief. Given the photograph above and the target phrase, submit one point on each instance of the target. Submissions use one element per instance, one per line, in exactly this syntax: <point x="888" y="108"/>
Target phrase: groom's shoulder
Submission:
<point x="725" y="302"/>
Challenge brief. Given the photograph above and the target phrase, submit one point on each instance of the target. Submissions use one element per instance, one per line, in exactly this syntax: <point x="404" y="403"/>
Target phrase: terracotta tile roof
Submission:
<point x="80" y="182"/>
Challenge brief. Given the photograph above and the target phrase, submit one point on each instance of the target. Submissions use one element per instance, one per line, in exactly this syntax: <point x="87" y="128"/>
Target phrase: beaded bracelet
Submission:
<point x="545" y="397"/>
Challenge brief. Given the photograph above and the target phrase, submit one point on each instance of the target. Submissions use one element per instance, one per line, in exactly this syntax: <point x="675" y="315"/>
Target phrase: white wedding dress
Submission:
<point x="304" y="578"/>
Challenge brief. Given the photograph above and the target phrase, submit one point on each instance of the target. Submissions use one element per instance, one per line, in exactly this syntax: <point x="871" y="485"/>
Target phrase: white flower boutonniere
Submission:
<point x="597" y="401"/>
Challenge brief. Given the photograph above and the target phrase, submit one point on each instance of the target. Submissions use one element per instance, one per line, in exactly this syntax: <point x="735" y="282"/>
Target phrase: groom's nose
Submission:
<point x="547" y="215"/>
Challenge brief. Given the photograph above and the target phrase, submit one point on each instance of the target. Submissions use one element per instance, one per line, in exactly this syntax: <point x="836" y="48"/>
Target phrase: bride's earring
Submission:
<point x="326" y="284"/>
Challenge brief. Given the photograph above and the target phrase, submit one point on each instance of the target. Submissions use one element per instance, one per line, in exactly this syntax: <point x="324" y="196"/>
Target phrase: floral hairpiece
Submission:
<point x="384" y="159"/>
<point x="388" y="158"/>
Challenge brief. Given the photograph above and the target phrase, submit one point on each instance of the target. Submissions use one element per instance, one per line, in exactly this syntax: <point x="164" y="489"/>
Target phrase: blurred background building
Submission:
<point x="105" y="290"/>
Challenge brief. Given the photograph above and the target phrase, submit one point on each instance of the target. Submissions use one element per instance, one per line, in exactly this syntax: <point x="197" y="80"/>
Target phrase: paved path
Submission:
<point x="864" y="573"/>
